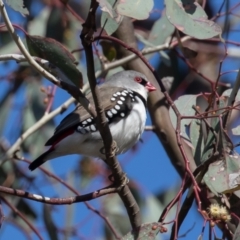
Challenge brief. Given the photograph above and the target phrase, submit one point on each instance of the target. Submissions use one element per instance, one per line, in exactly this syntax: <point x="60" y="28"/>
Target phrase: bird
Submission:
<point x="124" y="98"/>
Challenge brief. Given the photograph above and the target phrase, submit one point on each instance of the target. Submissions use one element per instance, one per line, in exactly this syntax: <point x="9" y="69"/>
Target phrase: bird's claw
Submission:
<point x="123" y="181"/>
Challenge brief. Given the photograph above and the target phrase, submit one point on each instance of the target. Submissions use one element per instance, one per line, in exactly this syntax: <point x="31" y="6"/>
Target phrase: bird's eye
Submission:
<point x="138" y="79"/>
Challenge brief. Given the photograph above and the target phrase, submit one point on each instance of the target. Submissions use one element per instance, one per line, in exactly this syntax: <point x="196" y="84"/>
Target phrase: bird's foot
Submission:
<point x="120" y="182"/>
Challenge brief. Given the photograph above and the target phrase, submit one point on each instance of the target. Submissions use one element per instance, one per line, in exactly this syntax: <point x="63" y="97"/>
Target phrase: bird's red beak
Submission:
<point x="150" y="87"/>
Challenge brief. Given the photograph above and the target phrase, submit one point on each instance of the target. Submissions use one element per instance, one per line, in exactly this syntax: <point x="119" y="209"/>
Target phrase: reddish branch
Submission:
<point x="59" y="201"/>
<point x="50" y="97"/>
<point x="171" y="103"/>
<point x="19" y="225"/>
<point x="64" y="2"/>
<point x="22" y="216"/>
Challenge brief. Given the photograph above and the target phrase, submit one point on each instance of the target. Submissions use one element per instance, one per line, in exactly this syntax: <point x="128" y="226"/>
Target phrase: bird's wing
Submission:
<point x="117" y="103"/>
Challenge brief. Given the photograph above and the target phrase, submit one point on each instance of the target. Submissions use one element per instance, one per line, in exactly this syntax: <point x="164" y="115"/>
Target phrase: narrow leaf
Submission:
<point x="53" y="51"/>
<point x="49" y="223"/>
<point x="184" y="105"/>
<point x="211" y="142"/>
<point x="18" y="6"/>
<point x="196" y="137"/>
<point x="236" y="235"/>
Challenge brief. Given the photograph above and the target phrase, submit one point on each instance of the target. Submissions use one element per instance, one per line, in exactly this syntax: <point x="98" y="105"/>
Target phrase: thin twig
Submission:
<point x="22" y="216"/>
<point x="74" y="91"/>
<point x="50" y="97"/>
<point x="59" y="201"/>
<point x="19" y="226"/>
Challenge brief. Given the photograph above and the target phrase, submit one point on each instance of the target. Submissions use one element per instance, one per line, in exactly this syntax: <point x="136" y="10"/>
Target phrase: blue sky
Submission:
<point x="150" y="167"/>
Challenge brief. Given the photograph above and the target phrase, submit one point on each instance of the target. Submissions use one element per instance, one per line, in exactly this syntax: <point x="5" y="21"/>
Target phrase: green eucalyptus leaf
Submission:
<point x="236" y="130"/>
<point x="108" y="7"/>
<point x="184" y="105"/>
<point x="161" y="30"/>
<point x="223" y="175"/>
<point x="18" y="5"/>
<point x="53" y="51"/>
<point x="196" y="137"/>
<point x="135" y="9"/>
<point x="211" y="141"/>
<point x="236" y="235"/>
<point x="190" y="18"/>
<point x="110" y="19"/>
<point x="216" y="177"/>
<point x="227" y="93"/>
<point x="110" y="25"/>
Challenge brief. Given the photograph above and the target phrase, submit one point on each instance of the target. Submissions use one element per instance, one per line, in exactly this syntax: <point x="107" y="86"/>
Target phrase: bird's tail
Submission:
<point x="42" y="159"/>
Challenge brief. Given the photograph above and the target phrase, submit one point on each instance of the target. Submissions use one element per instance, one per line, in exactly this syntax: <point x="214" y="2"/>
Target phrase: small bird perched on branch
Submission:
<point x="123" y="97"/>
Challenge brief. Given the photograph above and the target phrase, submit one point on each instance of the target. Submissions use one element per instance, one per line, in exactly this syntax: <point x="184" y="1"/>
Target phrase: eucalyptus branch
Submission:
<point x="145" y="51"/>
<point x="109" y="145"/>
<point x="149" y="128"/>
<point x="60" y="201"/>
<point x="17" y="57"/>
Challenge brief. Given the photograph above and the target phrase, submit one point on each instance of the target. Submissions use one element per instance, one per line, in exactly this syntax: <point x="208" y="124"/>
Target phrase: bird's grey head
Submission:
<point x="131" y="80"/>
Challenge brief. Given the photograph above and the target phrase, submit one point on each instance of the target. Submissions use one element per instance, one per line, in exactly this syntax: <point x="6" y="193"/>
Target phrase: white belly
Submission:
<point x="126" y="133"/>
